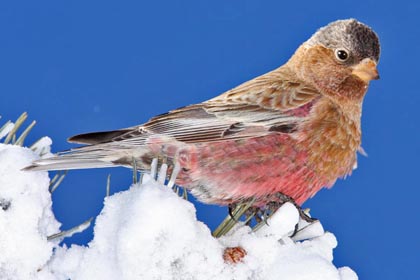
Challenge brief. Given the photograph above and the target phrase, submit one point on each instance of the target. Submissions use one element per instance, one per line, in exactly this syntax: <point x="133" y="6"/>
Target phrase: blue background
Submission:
<point x="77" y="67"/>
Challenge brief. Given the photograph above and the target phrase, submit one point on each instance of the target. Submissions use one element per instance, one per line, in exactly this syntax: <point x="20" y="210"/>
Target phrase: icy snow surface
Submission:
<point x="147" y="232"/>
<point x="26" y="218"/>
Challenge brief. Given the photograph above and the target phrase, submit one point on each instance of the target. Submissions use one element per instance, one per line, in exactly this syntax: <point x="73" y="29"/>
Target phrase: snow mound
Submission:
<point x="26" y="218"/>
<point x="148" y="232"/>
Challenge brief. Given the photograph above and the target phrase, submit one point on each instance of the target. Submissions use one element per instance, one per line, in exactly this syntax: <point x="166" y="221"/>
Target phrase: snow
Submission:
<point x="6" y="129"/>
<point x="281" y="223"/>
<point x="148" y="232"/>
<point x="26" y="218"/>
<point x="42" y="147"/>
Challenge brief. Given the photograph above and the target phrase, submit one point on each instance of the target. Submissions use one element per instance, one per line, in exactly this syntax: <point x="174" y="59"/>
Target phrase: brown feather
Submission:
<point x="274" y="102"/>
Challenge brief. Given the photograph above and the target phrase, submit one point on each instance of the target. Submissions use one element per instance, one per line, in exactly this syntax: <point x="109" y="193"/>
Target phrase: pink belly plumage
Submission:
<point x="228" y="171"/>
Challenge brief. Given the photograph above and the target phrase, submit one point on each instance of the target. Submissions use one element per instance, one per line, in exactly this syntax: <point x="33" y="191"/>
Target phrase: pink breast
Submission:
<point x="256" y="167"/>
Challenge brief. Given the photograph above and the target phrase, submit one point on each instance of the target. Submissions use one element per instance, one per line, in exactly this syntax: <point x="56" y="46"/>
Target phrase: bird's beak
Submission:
<point x="366" y="70"/>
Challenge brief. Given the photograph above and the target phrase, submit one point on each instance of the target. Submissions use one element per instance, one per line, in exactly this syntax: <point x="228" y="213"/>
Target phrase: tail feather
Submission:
<point x="97" y="137"/>
<point x="63" y="163"/>
<point x="92" y="156"/>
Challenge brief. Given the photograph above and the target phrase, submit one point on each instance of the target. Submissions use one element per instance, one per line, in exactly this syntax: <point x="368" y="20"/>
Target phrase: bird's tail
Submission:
<point x="95" y="156"/>
<point x="62" y="163"/>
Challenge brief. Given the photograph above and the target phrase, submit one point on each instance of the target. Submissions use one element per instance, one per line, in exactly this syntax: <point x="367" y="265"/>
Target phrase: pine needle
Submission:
<point x="56" y="180"/>
<point x="18" y="124"/>
<point x="135" y="179"/>
<point x="229" y="222"/>
<point x="68" y="233"/>
<point x="185" y="194"/>
<point x="6" y="127"/>
<point x="39" y="150"/>
<point x="108" y="185"/>
<point x="21" y="139"/>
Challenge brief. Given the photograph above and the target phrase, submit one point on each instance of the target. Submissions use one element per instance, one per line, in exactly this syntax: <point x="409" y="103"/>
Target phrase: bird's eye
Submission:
<point x="342" y="54"/>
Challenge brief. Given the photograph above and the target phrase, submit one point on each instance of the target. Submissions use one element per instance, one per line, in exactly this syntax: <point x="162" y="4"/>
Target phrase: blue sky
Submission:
<point x="78" y="67"/>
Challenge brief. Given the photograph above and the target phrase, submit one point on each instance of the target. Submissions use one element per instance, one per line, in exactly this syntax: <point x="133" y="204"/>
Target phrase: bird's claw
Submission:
<point x="261" y="214"/>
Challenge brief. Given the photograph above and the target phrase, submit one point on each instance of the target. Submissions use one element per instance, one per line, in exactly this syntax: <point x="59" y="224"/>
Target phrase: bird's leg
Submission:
<point x="255" y="212"/>
<point x="262" y="214"/>
<point x="266" y="213"/>
<point x="305" y="216"/>
<point x="258" y="216"/>
<point x="275" y="201"/>
<point x="282" y="198"/>
<point x="231" y="210"/>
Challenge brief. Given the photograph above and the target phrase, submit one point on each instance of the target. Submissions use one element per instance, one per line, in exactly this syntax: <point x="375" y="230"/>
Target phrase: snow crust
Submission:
<point x="26" y="218"/>
<point x="148" y="232"/>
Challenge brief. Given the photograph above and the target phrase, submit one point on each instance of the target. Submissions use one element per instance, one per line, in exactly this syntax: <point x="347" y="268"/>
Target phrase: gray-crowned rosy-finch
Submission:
<point x="291" y="131"/>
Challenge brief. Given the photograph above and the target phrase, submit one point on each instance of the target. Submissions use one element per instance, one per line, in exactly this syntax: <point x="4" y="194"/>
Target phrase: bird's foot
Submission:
<point x="253" y="212"/>
<point x="279" y="199"/>
<point x="261" y="214"/>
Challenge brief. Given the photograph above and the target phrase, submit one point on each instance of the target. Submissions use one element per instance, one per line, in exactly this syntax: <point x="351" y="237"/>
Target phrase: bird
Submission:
<point x="287" y="133"/>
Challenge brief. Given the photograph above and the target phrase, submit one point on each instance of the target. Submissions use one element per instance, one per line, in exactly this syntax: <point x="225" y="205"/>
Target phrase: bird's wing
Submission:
<point x="272" y="102"/>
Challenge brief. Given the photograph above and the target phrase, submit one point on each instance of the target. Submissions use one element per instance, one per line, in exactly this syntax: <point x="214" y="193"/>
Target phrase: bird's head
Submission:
<point x="339" y="59"/>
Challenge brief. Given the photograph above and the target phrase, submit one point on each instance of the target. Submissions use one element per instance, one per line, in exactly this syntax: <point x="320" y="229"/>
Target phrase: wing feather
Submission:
<point x="272" y="103"/>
